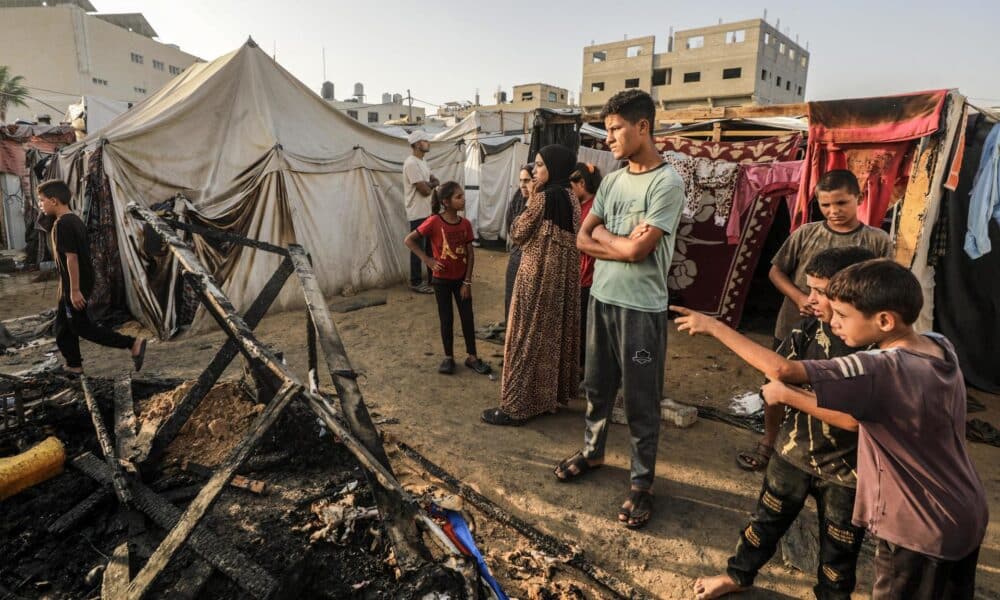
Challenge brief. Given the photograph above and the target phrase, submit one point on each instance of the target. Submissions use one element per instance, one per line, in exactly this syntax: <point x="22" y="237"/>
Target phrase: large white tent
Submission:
<point x="256" y="152"/>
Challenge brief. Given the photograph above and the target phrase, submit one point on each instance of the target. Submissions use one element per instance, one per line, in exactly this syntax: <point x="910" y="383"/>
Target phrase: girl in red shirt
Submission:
<point x="450" y="238"/>
<point x="584" y="181"/>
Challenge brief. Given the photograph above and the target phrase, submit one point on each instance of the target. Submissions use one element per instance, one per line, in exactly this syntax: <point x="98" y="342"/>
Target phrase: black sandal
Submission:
<point x="641" y="511"/>
<point x="68" y="374"/>
<point x="138" y="358"/>
<point x="495" y="416"/>
<point x="447" y="366"/>
<point x="479" y="366"/>
<point x="573" y="467"/>
<point x="756" y="459"/>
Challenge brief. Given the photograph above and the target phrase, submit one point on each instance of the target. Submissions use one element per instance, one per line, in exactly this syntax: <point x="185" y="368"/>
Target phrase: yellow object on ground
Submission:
<point x="20" y="472"/>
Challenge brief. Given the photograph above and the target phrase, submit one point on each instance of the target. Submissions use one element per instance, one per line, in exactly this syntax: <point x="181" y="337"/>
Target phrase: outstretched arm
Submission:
<point x="776" y="393"/>
<point x="770" y="363"/>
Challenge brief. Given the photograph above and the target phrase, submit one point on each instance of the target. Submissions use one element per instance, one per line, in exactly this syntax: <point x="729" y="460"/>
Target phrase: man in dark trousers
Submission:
<point x="71" y="252"/>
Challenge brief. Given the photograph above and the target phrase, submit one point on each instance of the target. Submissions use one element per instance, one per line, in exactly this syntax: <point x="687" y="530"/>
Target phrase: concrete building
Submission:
<point x="732" y="64"/>
<point x="392" y="108"/>
<point x="525" y="97"/>
<point x="64" y="52"/>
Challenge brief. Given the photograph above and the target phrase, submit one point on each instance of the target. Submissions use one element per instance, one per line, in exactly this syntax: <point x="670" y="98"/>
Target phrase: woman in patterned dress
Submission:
<point x="541" y="365"/>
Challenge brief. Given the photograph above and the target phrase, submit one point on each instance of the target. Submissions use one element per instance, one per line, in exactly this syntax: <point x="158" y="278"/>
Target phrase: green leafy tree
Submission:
<point x="12" y="92"/>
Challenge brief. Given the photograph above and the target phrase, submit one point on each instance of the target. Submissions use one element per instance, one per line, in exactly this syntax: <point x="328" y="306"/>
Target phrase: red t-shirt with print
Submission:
<point x="448" y="245"/>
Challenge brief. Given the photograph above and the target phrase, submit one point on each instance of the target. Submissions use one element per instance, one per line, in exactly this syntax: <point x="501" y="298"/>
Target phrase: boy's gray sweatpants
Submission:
<point x="626" y="349"/>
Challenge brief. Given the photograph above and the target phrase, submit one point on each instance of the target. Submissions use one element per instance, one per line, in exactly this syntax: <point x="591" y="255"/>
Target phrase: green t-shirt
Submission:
<point x="623" y="201"/>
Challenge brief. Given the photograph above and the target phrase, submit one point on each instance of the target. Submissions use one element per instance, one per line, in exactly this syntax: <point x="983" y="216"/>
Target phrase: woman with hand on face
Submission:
<point x="541" y="367"/>
<point x="514" y="210"/>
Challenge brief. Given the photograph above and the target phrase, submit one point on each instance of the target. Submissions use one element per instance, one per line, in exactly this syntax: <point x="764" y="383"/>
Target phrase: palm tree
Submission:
<point x="12" y="93"/>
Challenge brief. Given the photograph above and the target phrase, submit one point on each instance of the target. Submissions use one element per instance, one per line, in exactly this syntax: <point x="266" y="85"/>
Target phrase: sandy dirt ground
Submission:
<point x="702" y="499"/>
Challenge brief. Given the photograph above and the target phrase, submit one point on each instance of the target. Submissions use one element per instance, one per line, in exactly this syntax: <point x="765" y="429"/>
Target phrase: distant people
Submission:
<point x="541" y="363"/>
<point x="71" y="252"/>
<point x="584" y="182"/>
<point x="813" y="458"/>
<point x="418" y="184"/>
<point x="838" y="195"/>
<point x="452" y="261"/>
<point x="514" y="209"/>
<point x="630" y="230"/>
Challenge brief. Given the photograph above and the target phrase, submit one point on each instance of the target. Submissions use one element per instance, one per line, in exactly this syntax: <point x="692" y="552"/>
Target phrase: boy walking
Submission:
<point x="918" y="492"/>
<point x="813" y="459"/>
<point x="76" y="282"/>
<point x="837" y="195"/>
<point x="630" y="232"/>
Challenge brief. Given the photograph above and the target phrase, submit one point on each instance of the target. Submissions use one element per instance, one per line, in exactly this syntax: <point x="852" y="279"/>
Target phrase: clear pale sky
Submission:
<point x="445" y="50"/>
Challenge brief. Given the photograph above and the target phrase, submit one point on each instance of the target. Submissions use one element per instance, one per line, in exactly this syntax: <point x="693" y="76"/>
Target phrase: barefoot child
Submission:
<point x="450" y="238"/>
<point x="918" y="492"/>
<point x="813" y="459"/>
<point x="837" y="195"/>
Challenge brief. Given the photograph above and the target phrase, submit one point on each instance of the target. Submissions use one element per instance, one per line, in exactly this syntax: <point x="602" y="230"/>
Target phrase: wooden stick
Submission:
<point x="115" y="583"/>
<point x="117" y="477"/>
<point x="125" y="421"/>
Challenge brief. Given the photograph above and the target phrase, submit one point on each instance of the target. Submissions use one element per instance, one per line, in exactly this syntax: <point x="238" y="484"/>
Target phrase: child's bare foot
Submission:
<point x="706" y="588"/>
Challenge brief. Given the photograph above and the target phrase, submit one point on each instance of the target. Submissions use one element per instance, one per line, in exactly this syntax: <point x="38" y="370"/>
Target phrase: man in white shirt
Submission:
<point x="418" y="185"/>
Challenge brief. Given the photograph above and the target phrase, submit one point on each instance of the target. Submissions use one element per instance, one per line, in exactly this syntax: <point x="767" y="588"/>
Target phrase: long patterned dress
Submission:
<point x="541" y="358"/>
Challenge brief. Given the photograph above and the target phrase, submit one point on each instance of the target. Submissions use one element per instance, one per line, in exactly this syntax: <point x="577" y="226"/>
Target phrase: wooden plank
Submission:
<point x="399" y="517"/>
<point x="686" y="115"/>
<point x="125" y="421"/>
<point x="81" y="510"/>
<point x="114" y="586"/>
<point x="152" y="446"/>
<point x="110" y="456"/>
<point x="236" y="565"/>
<point x="143" y="581"/>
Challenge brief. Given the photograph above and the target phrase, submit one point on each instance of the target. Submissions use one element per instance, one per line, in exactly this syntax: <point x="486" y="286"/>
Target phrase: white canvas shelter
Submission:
<point x="98" y="112"/>
<point x="256" y="152"/>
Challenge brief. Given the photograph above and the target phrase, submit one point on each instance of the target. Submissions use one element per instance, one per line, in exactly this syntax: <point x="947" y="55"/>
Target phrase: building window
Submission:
<point x="788" y="85"/>
<point x="692" y="77"/>
<point x="632" y="83"/>
<point x="736" y="37"/>
<point x="98" y="81"/>
<point x="599" y="57"/>
<point x="781" y="47"/>
<point x="175" y="70"/>
<point x="137" y="58"/>
<point x="139" y="90"/>
<point x="158" y="65"/>
<point x="697" y="41"/>
<point x="597" y="86"/>
<point x="527" y="96"/>
<point x="353" y="114"/>
<point x="800" y="90"/>
<point x="373" y="117"/>
<point x="733" y="73"/>
<point x="562" y="95"/>
<point x="661" y="76"/>
<point x="778" y="82"/>
<point x="763" y="74"/>
<point x="767" y="38"/>
<point x="803" y="61"/>
<point x="791" y="53"/>
<point x="633" y="51"/>
<point x="553" y="97"/>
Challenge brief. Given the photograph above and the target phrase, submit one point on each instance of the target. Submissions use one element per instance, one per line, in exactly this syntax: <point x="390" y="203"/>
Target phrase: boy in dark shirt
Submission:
<point x="812" y="458"/>
<point x="71" y="251"/>
<point x="918" y="491"/>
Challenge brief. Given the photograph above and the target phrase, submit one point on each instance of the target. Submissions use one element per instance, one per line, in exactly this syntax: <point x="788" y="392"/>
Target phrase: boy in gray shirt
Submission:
<point x="630" y="231"/>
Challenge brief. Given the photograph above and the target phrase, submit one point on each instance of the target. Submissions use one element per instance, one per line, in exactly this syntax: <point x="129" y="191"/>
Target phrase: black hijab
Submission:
<point x="560" y="162"/>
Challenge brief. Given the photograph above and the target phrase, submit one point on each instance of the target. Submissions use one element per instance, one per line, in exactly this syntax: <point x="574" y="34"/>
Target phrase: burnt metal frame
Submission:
<point x="400" y="512"/>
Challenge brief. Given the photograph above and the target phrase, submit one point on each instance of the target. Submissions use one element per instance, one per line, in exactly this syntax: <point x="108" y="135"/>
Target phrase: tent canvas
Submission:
<point x="254" y="151"/>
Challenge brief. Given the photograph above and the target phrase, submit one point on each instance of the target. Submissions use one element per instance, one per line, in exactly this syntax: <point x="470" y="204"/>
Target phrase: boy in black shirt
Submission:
<point x="71" y="251"/>
<point x="811" y="457"/>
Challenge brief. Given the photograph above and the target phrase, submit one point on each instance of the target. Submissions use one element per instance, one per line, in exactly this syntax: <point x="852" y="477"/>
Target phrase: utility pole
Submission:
<point x="409" y="99"/>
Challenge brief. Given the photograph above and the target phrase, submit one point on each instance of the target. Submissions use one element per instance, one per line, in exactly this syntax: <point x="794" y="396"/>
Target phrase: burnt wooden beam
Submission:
<point x="191" y="581"/>
<point x="81" y="510"/>
<point x="226" y="236"/>
<point x="179" y="534"/>
<point x="172" y="425"/>
<point x="236" y="565"/>
<point x="125" y="421"/>
<point x="399" y="517"/>
<point x="110" y="456"/>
